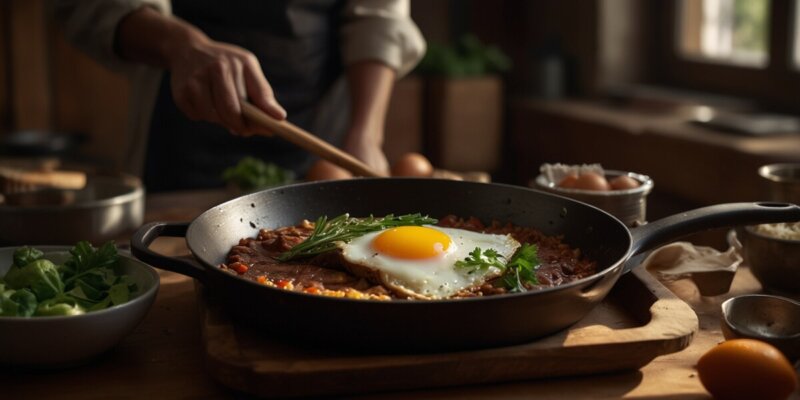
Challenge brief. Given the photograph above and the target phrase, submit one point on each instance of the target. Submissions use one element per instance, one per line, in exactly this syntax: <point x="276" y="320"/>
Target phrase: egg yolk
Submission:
<point x="411" y="242"/>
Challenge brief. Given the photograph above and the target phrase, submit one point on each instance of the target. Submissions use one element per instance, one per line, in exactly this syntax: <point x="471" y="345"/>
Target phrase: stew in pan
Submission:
<point x="456" y="258"/>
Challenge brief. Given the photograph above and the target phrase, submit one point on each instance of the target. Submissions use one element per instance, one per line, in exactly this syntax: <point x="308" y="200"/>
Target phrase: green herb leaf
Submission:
<point x="119" y="293"/>
<point x="481" y="260"/>
<point x="16" y="303"/>
<point x="522" y="269"/>
<point x="58" y="307"/>
<point x="253" y="174"/>
<point x="26" y="302"/>
<point x="85" y="258"/>
<point x="26" y="255"/>
<point x="40" y="276"/>
<point x="327" y="233"/>
<point x="101" y="305"/>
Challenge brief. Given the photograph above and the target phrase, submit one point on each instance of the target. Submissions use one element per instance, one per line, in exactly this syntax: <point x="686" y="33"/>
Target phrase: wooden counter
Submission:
<point x="163" y="357"/>
<point x="694" y="164"/>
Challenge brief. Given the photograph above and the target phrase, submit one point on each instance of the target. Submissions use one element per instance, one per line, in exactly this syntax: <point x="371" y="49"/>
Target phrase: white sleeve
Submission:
<point x="381" y="30"/>
<point x="91" y="25"/>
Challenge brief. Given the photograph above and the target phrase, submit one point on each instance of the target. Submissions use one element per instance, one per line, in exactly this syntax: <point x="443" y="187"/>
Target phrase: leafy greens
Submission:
<point x="35" y="286"/>
<point x="252" y="174"/>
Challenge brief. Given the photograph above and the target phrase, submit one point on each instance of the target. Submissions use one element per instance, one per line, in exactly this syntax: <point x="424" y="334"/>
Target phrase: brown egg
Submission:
<point x="591" y="181"/>
<point x="324" y="171"/>
<point x="412" y="164"/>
<point x="623" y="182"/>
<point x="568" y="182"/>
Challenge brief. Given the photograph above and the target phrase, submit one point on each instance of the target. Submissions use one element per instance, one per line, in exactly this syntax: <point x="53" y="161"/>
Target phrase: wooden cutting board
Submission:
<point x="638" y="321"/>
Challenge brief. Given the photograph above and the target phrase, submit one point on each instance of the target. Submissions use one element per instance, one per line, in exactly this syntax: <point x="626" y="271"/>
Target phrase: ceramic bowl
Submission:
<point x="774" y="262"/>
<point x="52" y="342"/>
<point x="772" y="319"/>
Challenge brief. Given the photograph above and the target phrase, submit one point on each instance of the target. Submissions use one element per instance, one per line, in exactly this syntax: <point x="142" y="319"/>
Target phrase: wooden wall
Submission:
<point x="49" y="85"/>
<point x="29" y="78"/>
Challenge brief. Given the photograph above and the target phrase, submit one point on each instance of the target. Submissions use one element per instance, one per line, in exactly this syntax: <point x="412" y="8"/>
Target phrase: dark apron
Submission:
<point x="296" y="44"/>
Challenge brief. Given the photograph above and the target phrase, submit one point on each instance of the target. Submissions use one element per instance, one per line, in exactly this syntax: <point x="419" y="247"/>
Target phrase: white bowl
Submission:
<point x="49" y="342"/>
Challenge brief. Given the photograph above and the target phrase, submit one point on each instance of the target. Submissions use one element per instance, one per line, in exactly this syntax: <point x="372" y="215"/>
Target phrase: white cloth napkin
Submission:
<point x="711" y="270"/>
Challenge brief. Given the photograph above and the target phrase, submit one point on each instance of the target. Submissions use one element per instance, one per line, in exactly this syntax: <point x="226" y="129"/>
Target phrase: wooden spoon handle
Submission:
<point x="307" y="141"/>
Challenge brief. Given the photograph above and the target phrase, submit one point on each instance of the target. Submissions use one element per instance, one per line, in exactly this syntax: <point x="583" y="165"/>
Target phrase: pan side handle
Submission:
<point x="144" y="236"/>
<point x="665" y="230"/>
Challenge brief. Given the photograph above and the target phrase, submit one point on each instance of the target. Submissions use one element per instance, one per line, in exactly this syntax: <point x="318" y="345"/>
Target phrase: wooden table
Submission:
<point x="163" y="357"/>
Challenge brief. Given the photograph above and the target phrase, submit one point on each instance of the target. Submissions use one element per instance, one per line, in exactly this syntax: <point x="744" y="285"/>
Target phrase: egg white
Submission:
<point x="432" y="278"/>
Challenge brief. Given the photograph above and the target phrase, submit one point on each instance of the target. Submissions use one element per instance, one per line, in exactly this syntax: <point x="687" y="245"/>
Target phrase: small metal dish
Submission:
<point x="772" y="319"/>
<point x="629" y="205"/>
<point x="782" y="181"/>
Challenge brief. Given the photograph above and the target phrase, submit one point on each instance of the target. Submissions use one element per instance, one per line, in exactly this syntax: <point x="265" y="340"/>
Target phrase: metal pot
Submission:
<point x="107" y="208"/>
<point x="440" y="325"/>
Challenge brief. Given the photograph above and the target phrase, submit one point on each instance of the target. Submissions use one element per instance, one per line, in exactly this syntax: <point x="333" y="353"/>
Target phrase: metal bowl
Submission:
<point x="51" y="342"/>
<point x="774" y="262"/>
<point x="772" y="319"/>
<point x="630" y="205"/>
<point x="783" y="181"/>
<point x="107" y="208"/>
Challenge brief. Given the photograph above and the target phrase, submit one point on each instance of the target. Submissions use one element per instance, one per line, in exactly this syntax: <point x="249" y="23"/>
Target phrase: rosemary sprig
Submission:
<point x="344" y="229"/>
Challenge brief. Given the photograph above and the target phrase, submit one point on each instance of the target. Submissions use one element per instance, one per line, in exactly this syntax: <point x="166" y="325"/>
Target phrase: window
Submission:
<point x="726" y="31"/>
<point x="742" y="48"/>
<point x="797" y="34"/>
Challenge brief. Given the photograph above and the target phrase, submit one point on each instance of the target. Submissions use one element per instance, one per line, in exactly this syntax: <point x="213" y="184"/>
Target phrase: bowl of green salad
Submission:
<point x="62" y="306"/>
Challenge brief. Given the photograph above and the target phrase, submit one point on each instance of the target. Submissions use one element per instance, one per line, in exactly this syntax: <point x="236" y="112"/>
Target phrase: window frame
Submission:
<point x="771" y="85"/>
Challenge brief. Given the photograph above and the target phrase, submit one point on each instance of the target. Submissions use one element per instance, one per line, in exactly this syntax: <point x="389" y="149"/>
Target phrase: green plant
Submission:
<point x="469" y="57"/>
<point x="252" y="174"/>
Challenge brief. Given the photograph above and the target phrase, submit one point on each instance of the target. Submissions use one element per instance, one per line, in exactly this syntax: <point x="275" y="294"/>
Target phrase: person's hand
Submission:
<point x="368" y="151"/>
<point x="210" y="79"/>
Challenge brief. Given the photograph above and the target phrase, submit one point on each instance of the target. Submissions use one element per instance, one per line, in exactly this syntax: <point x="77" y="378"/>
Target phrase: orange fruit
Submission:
<point x="746" y="369"/>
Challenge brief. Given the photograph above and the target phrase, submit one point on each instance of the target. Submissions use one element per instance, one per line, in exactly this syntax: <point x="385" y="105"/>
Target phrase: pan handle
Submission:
<point x="671" y="228"/>
<point x="144" y="236"/>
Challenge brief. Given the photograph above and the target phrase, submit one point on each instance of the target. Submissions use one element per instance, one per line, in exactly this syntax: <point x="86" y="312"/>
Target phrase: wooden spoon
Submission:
<point x="307" y="141"/>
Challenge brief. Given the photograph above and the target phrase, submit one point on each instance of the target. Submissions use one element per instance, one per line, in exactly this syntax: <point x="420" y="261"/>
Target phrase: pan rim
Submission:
<point x="407" y="302"/>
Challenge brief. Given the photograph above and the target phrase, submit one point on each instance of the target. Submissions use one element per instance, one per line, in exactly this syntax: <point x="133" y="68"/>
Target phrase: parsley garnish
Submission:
<point x="344" y="229"/>
<point x="481" y="260"/>
<point x="522" y="269"/>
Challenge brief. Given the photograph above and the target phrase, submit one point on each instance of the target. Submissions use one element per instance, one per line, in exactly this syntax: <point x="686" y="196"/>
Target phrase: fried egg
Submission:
<point x="419" y="261"/>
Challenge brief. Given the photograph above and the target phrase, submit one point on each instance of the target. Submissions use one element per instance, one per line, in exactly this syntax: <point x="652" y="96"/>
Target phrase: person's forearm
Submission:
<point x="149" y="37"/>
<point x="209" y="79"/>
<point x="370" y="85"/>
